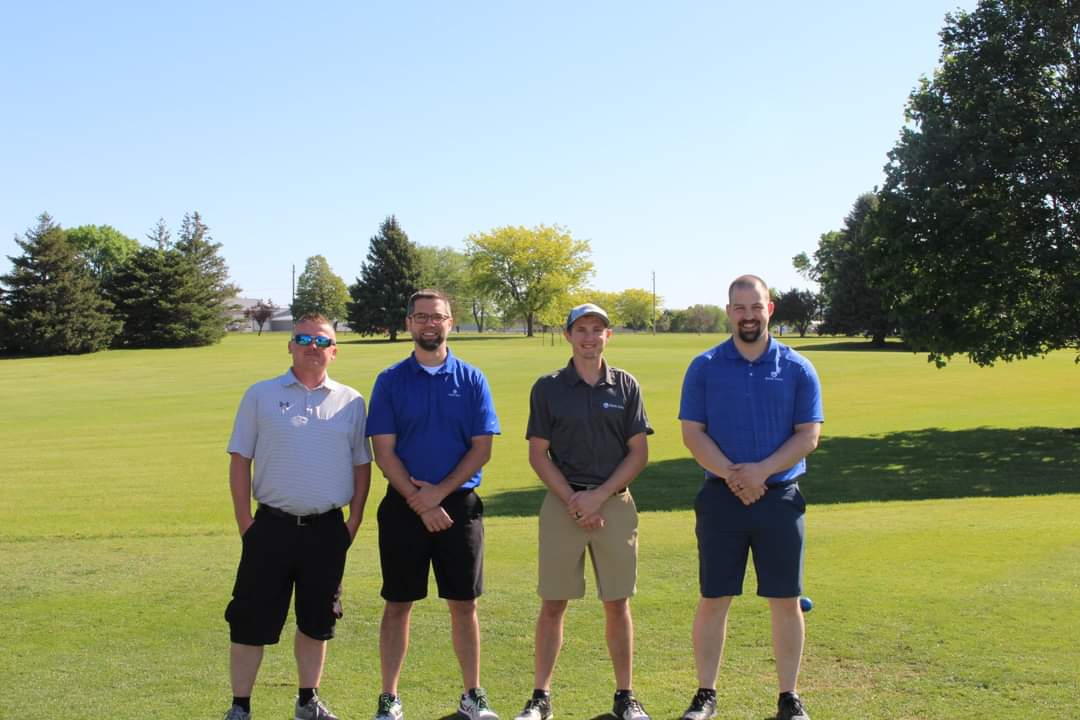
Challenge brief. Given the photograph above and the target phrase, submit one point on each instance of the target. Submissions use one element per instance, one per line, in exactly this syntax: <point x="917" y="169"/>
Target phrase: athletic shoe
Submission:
<point x="389" y="708"/>
<point x="627" y="707"/>
<point x="789" y="707"/>
<point x="702" y="706"/>
<point x="314" y="709"/>
<point x="236" y="713"/>
<point x="474" y="706"/>
<point x="536" y="709"/>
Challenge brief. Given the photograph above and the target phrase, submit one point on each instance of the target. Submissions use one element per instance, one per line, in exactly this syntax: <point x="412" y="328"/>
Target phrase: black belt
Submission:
<point x="299" y="519"/>
<point x="582" y="488"/>
<point x="768" y="486"/>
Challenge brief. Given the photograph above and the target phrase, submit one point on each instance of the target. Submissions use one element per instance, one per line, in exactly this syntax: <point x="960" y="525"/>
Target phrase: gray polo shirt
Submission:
<point x="587" y="425"/>
<point x="304" y="442"/>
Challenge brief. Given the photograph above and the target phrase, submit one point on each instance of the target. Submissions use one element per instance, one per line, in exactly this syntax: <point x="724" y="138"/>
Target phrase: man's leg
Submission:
<point x="244" y="661"/>
<point x="393" y="643"/>
<point x="465" y="631"/>
<point x="549" y="638"/>
<point x="619" y="632"/>
<point x="787" y="636"/>
<point x="310" y="656"/>
<point x="710" y="630"/>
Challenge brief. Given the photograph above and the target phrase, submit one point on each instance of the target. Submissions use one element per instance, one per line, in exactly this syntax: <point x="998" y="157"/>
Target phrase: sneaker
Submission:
<point x="702" y="706"/>
<point x="627" y="707"/>
<point x="474" y="706"/>
<point x="789" y="707"/>
<point x="389" y="708"/>
<point x="236" y="713"/>
<point x="536" y="709"/>
<point x="314" y="709"/>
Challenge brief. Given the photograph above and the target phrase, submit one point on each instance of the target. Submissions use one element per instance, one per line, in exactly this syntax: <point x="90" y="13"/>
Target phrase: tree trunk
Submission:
<point x="529" y="325"/>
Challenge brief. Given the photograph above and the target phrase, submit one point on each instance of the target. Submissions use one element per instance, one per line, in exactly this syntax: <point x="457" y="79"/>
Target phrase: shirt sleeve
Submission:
<point x="539" y="413"/>
<point x="692" y="402"/>
<point x="246" y="426"/>
<point x="636" y="420"/>
<point x="485" y="421"/>
<point x="808" y="405"/>
<point x="380" y="418"/>
<point x="361" y="446"/>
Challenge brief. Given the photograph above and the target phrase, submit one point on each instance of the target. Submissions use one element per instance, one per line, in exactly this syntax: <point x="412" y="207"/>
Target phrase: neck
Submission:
<point x="589" y="369"/>
<point x="751" y="351"/>
<point x="309" y="378"/>
<point x="431" y="358"/>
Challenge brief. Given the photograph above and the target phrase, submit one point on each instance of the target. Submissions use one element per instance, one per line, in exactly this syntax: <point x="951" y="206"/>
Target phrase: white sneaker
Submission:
<point x="474" y="706"/>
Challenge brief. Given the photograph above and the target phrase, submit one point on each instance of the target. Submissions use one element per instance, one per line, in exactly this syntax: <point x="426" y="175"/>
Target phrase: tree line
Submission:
<point x="83" y="289"/>
<point x="971" y="247"/>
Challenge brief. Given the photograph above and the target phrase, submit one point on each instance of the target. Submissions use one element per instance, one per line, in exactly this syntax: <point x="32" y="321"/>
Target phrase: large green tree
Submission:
<point x="842" y="265"/>
<point x="320" y="290"/>
<point x="635" y="308"/>
<point x="174" y="296"/>
<point x="389" y="276"/>
<point x="797" y="308"/>
<point x="103" y="247"/>
<point x="526" y="269"/>
<point x="978" y="226"/>
<point x="52" y="302"/>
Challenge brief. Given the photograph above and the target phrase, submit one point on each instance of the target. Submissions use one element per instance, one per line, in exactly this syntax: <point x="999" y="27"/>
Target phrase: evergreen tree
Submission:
<point x="52" y="304"/>
<point x="319" y="290"/>
<point x="173" y="296"/>
<point x="391" y="273"/>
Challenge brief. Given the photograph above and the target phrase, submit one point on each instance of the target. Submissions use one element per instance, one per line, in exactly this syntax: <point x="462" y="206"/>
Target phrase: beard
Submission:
<point x="750" y="334"/>
<point x="429" y="344"/>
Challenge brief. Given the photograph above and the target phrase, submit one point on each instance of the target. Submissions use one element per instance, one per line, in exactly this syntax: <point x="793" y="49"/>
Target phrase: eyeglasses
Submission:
<point x="319" y="340"/>
<point x="424" y="318"/>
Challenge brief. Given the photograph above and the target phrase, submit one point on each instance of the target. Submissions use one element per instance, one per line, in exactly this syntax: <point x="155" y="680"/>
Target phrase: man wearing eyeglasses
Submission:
<point x="304" y="433"/>
<point x="431" y="426"/>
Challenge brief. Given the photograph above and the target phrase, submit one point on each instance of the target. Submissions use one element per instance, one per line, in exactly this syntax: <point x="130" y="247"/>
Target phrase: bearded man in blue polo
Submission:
<point x="431" y="426"/>
<point x="751" y="412"/>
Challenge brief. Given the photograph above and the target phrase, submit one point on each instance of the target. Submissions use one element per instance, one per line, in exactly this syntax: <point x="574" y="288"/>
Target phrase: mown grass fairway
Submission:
<point x="943" y="552"/>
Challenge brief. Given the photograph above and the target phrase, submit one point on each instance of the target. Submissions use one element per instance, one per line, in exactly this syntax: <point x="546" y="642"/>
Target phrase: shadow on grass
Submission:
<point x="912" y="465"/>
<point x="856" y="346"/>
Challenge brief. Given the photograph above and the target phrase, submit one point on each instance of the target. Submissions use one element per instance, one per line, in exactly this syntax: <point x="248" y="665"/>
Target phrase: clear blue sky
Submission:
<point x="696" y="139"/>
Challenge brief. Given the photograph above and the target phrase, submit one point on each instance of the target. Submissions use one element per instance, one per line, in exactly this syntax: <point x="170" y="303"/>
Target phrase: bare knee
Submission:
<point x="462" y="609"/>
<point x="397" y="612"/>
<point x="552" y="609"/>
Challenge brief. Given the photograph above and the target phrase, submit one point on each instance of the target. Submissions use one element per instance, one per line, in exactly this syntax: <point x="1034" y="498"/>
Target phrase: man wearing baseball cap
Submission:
<point x="587" y="441"/>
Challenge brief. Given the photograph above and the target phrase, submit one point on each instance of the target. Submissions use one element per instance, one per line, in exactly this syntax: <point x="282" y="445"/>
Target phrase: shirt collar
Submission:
<point x="449" y="365"/>
<point x="571" y="377"/>
<point x="289" y="378"/>
<point x="731" y="352"/>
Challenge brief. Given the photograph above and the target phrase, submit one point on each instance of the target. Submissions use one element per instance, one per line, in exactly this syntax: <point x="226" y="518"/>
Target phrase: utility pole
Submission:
<point x="293" y="301"/>
<point x="653" y="302"/>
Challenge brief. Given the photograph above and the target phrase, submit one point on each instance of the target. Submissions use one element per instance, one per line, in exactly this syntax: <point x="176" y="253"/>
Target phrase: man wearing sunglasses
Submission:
<point x="304" y="433"/>
<point x="431" y="426"/>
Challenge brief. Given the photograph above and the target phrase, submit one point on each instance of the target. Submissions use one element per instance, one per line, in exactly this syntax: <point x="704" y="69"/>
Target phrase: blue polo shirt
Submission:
<point x="750" y="409"/>
<point x="435" y="417"/>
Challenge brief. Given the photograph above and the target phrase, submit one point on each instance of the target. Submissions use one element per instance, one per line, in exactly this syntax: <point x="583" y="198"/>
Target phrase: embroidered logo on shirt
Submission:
<point x="454" y="392"/>
<point x="775" y="376"/>
<point x="284" y="405"/>
<point x="611" y="406"/>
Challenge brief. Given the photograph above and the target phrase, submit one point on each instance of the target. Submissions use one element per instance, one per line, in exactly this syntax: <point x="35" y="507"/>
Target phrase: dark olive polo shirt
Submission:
<point x="587" y="425"/>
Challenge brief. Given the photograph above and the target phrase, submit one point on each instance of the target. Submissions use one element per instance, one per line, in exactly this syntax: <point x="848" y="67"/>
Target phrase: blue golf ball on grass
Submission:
<point x="806" y="604"/>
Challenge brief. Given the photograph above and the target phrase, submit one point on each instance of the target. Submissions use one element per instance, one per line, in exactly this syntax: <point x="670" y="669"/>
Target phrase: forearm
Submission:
<point x="802" y="442"/>
<point x="394" y="471"/>
<point x="240" y="489"/>
<point x="361" y="487"/>
<point x="628" y="469"/>
<point x="471" y="462"/>
<point x="550" y="474"/>
<point x="704" y="450"/>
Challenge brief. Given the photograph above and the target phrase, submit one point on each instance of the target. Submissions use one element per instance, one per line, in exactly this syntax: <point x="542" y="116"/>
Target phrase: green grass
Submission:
<point x="943" y="552"/>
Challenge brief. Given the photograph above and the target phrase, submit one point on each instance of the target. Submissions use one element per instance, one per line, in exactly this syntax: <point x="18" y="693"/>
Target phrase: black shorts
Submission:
<point x="407" y="549"/>
<point x="278" y="554"/>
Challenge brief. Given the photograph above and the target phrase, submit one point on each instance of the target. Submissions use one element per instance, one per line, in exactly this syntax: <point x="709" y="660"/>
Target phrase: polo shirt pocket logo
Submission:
<point x="454" y="392"/>
<point x="611" y="406"/>
<point x="775" y="376"/>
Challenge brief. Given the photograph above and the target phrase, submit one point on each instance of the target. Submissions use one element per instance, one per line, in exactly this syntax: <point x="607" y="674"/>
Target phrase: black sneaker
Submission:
<point x="702" y="706"/>
<point x="536" y="709"/>
<point x="627" y="707"/>
<point x="789" y="707"/>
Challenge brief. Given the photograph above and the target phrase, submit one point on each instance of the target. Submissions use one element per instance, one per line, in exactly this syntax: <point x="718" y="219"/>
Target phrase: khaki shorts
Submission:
<point x="613" y="549"/>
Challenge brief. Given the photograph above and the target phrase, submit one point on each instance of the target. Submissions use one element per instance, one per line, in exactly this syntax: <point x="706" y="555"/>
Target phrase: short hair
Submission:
<point x="747" y="282"/>
<point x="428" y="294"/>
<point x="314" y="317"/>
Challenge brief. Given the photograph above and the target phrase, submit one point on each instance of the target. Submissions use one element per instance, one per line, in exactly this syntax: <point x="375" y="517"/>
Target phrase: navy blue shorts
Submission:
<point x="772" y="528"/>
<point x="278" y="555"/>
<point x="407" y="551"/>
